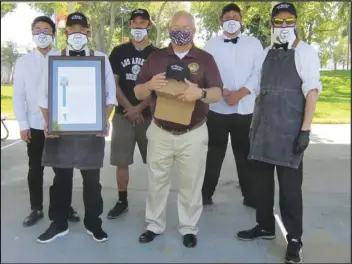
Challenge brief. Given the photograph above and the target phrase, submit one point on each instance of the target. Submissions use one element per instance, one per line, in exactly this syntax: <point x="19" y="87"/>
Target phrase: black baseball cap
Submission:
<point x="140" y="13"/>
<point x="230" y="7"/>
<point x="178" y="72"/>
<point x="284" y="7"/>
<point x="77" y="18"/>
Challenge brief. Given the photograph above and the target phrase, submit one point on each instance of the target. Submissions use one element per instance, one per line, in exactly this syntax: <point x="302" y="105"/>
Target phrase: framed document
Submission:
<point x="76" y="95"/>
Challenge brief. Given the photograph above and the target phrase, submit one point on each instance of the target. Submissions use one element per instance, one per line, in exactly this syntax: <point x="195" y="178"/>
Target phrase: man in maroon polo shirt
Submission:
<point x="168" y="142"/>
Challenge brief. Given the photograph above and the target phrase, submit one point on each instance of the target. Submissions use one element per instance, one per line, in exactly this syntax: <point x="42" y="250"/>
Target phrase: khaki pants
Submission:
<point x="189" y="152"/>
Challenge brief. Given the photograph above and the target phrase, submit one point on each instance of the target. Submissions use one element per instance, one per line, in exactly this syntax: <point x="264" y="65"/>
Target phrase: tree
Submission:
<point x="7" y="8"/>
<point x="9" y="55"/>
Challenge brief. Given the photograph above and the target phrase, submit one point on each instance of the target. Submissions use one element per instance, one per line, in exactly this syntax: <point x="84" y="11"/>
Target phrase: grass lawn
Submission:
<point x="333" y="107"/>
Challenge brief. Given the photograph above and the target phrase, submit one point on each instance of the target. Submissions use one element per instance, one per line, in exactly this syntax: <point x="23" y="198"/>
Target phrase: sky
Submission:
<point x="16" y="26"/>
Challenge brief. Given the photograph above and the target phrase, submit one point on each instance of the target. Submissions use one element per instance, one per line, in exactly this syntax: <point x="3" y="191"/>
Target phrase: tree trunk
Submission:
<point x="158" y="26"/>
<point x="310" y="33"/>
<point x="335" y="65"/>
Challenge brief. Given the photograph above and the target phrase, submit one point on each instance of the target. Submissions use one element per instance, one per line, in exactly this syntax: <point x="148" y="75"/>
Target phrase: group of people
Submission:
<point x="265" y="99"/>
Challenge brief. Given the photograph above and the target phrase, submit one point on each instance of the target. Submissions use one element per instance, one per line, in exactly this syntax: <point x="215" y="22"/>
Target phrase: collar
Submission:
<point x="38" y="54"/>
<point x="192" y="53"/>
<point x="86" y="49"/>
<point x="223" y="36"/>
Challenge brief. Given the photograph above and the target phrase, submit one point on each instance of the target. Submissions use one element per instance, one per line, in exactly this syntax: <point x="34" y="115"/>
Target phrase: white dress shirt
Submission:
<point x="307" y="65"/>
<point x="110" y="88"/>
<point x="235" y="63"/>
<point x="26" y="78"/>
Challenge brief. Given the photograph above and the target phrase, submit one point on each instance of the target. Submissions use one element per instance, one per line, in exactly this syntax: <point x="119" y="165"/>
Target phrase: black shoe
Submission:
<point x="207" y="201"/>
<point x="254" y="233"/>
<point x="73" y="216"/>
<point x="147" y="236"/>
<point x="98" y="235"/>
<point x="33" y="217"/>
<point x="190" y="240"/>
<point x="294" y="251"/>
<point x="118" y="209"/>
<point x="54" y="231"/>
<point x="248" y="203"/>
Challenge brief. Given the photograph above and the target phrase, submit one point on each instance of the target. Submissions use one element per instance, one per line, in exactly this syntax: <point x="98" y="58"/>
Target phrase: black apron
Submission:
<point x="278" y="112"/>
<point x="83" y="152"/>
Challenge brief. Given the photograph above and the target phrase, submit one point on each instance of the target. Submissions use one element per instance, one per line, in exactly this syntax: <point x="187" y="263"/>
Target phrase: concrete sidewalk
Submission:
<point x="326" y="213"/>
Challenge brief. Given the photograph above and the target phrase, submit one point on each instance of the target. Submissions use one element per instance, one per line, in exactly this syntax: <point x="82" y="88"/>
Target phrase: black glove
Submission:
<point x="301" y="142"/>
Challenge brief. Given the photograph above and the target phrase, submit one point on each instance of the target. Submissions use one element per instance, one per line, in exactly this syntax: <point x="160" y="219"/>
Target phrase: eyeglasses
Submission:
<point x="38" y="31"/>
<point x="187" y="29"/>
<point x="280" y="21"/>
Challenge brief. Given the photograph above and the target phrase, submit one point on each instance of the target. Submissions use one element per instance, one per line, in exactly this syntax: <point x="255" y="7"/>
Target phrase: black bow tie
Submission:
<point x="77" y="53"/>
<point x="283" y="45"/>
<point x="234" y="40"/>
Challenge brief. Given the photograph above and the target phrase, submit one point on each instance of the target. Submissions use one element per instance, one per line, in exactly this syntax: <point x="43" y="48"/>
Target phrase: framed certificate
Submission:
<point x="76" y="95"/>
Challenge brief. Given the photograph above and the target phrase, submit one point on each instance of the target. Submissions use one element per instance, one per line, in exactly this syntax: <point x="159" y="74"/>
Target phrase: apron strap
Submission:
<point x="63" y="52"/>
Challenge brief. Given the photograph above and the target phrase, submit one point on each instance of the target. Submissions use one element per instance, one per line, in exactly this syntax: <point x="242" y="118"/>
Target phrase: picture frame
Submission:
<point x="76" y="95"/>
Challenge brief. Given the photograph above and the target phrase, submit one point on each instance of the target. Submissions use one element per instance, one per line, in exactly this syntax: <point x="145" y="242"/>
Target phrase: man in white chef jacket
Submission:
<point x="26" y="79"/>
<point x="235" y="55"/>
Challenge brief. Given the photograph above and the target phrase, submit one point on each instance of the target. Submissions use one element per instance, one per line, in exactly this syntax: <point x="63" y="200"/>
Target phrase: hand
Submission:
<point x="225" y="92"/>
<point x="107" y="130"/>
<point x="26" y="135"/>
<point x="139" y="119"/>
<point x="157" y="82"/>
<point x="232" y="98"/>
<point x="302" y="142"/>
<point x="46" y="133"/>
<point x="191" y="94"/>
<point x="132" y="112"/>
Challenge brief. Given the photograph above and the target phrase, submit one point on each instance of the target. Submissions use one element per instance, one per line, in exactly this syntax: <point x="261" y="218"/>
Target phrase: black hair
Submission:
<point x="46" y="20"/>
<point x="230" y="7"/>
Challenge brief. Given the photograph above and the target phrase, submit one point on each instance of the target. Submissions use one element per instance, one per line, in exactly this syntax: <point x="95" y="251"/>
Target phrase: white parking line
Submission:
<point x="9" y="145"/>
<point x="281" y="225"/>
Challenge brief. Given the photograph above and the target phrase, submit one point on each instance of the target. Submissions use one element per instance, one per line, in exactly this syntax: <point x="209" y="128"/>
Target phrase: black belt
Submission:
<point x="179" y="132"/>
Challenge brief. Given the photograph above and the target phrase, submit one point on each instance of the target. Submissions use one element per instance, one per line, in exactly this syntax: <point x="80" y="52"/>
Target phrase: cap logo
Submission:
<point x="176" y="67"/>
<point x="77" y="17"/>
<point x="283" y="6"/>
<point x="139" y="12"/>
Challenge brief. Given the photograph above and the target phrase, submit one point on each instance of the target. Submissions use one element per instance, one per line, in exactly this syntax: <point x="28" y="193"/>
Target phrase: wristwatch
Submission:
<point x="204" y="93"/>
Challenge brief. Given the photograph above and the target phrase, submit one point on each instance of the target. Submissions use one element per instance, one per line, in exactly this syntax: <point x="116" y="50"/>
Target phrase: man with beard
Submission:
<point x="132" y="117"/>
<point x="26" y="79"/>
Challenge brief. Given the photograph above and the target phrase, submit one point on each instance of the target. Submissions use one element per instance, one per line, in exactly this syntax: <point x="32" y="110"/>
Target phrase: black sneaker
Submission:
<point x="73" y="216"/>
<point x="294" y="251"/>
<point x="118" y="209"/>
<point x="254" y="233"/>
<point x="98" y="235"/>
<point x="53" y="232"/>
<point x="207" y="201"/>
<point x="33" y="217"/>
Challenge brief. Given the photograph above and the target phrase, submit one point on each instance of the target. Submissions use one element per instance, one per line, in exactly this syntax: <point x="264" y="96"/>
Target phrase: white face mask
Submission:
<point x="138" y="34"/>
<point x="77" y="41"/>
<point x="283" y="35"/>
<point x="231" y="26"/>
<point x="42" y="40"/>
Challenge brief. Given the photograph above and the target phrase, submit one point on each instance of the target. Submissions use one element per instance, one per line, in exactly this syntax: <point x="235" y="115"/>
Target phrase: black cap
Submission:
<point x="178" y="72"/>
<point x="77" y="18"/>
<point x="230" y="7"/>
<point x="284" y="7"/>
<point x="140" y="13"/>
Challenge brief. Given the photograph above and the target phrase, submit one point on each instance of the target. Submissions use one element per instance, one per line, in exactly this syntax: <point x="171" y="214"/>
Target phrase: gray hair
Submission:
<point x="183" y="13"/>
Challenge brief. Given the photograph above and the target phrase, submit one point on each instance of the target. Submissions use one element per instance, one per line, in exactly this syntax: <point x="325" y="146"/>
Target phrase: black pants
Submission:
<point x="36" y="170"/>
<point x="61" y="195"/>
<point x="291" y="205"/>
<point x="219" y="127"/>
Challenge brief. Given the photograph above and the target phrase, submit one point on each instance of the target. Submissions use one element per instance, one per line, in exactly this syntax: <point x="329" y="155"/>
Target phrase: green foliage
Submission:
<point x="7" y="8"/>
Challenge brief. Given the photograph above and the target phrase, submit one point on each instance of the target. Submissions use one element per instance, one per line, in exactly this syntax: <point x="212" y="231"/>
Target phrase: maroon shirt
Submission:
<point x="204" y="72"/>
